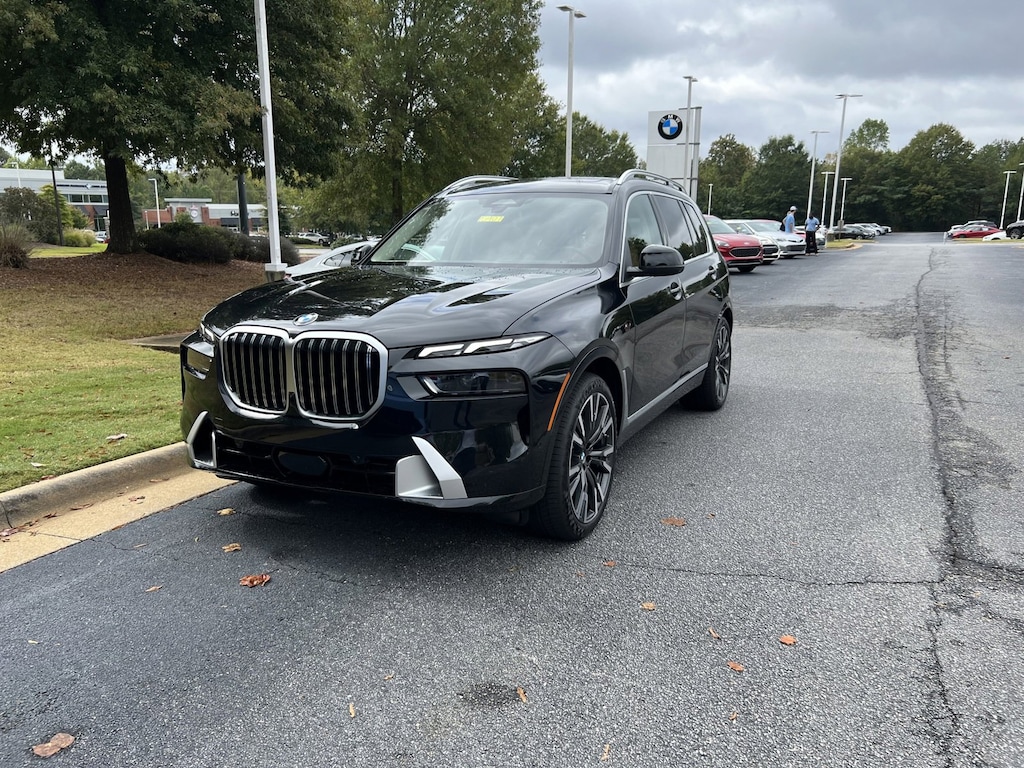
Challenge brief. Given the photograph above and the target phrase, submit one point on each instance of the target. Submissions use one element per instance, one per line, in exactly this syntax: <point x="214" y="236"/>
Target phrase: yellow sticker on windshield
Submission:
<point x="491" y="218"/>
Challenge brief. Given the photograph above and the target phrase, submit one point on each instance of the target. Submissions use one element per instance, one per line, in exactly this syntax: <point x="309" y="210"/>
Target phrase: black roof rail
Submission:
<point x="637" y="173"/>
<point x="472" y="181"/>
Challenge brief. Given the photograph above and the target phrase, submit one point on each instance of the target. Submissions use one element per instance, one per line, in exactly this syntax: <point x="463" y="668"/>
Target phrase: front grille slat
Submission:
<point x="336" y="375"/>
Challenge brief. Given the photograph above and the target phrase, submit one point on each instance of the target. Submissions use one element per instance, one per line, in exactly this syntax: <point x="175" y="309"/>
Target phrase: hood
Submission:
<point x="739" y="241"/>
<point x="402" y="306"/>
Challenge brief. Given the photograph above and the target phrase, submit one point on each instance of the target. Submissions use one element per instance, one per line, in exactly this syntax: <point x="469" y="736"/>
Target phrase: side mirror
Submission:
<point x="659" y="260"/>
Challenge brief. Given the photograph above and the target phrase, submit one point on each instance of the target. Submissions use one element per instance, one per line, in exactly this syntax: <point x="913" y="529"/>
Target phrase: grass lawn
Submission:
<point x="69" y="382"/>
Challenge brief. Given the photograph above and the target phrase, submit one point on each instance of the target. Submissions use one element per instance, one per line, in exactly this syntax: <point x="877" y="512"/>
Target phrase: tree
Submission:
<point x="936" y="165"/>
<point x="725" y="165"/>
<point x="872" y="135"/>
<point x="779" y="179"/>
<point x="444" y="88"/>
<point x="169" y="82"/>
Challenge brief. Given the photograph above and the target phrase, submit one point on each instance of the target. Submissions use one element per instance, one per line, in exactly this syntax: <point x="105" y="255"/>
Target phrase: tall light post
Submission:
<point x="156" y="194"/>
<point x="824" y="194"/>
<point x="711" y="188"/>
<point x="814" y="160"/>
<point x="688" y="174"/>
<point x="842" y="210"/>
<point x="574" y="13"/>
<point x="839" y="155"/>
<point x="1020" y="199"/>
<point x="1006" y="190"/>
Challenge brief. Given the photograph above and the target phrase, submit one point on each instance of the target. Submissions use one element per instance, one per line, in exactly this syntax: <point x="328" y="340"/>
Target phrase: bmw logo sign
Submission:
<point x="309" y="317"/>
<point x="669" y="127"/>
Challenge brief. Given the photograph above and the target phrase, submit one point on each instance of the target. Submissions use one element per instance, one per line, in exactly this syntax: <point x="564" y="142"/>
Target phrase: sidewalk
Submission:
<point x="52" y="514"/>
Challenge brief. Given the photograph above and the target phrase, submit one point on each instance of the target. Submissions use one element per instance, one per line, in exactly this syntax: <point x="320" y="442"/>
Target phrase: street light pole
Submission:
<point x="688" y="174"/>
<point x="824" y="194"/>
<point x="1006" y="190"/>
<point x="839" y="155"/>
<point x="711" y="188"/>
<point x="1020" y="199"/>
<point x="574" y="14"/>
<point x="842" y="210"/>
<point x="814" y="159"/>
<point x="156" y="194"/>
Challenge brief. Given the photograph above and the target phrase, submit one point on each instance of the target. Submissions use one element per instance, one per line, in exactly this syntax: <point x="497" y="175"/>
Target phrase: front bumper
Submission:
<point x="448" y="452"/>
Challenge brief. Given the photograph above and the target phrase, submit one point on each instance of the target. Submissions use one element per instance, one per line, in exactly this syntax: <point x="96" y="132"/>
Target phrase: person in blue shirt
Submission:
<point x="789" y="223"/>
<point x="810" y="228"/>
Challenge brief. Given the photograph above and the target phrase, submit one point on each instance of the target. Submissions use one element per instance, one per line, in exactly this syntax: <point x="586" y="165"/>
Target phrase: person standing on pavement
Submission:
<point x="789" y="223"/>
<point x="810" y="234"/>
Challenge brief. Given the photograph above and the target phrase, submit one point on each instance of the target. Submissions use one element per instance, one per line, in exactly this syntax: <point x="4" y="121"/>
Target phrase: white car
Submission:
<point x="1000" y="235"/>
<point x="335" y="258"/>
<point x="790" y="245"/>
<point x="316" y="237"/>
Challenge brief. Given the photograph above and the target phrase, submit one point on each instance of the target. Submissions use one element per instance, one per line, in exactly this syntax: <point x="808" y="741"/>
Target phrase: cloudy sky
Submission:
<point x="767" y="69"/>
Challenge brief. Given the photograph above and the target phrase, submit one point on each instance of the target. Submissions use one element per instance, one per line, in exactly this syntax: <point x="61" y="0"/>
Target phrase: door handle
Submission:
<point x="676" y="290"/>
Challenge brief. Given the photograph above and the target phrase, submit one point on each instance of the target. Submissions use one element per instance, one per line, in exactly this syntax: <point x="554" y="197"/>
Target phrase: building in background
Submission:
<point x="87" y="195"/>
<point x="202" y="210"/>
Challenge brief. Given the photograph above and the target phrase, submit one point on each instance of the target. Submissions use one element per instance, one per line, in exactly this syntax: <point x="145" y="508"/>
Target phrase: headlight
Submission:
<point x="207" y="334"/>
<point x="474" y="383"/>
<point x="481" y="347"/>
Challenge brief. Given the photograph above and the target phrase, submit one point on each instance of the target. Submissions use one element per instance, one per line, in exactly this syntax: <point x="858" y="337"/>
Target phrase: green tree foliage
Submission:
<point x="176" y="81"/>
<point x="444" y="88"/>
<point x="727" y="162"/>
<point x="778" y="179"/>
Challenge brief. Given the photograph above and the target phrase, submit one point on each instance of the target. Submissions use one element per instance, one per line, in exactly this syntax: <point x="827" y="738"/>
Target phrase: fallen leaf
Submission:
<point x="787" y="640"/>
<point x="522" y="694"/>
<point x="607" y="752"/>
<point x="33" y="642"/>
<point x="234" y="547"/>
<point x="735" y="666"/>
<point x="648" y="606"/>
<point x="155" y="588"/>
<point x="256" y="580"/>
<point x="711" y="631"/>
<point x="734" y="716"/>
<point x="351" y="709"/>
<point x="225" y="511"/>
<point x="159" y="479"/>
<point x="81" y="506"/>
<point x="37" y="465"/>
<point x="53" y="746"/>
<point x="610" y="563"/>
<point x="390" y="676"/>
<point x="136" y="498"/>
<point x="679" y="522"/>
<point x="115" y="438"/>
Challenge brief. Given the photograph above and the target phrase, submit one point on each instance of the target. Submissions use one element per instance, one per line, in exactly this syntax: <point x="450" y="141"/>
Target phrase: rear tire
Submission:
<point x="582" y="464"/>
<point x="714" y="387"/>
<point x="1015" y="234"/>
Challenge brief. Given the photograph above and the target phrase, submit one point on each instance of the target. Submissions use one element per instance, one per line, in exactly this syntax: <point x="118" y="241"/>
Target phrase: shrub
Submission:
<point x="187" y="242"/>
<point x="257" y="248"/>
<point x="79" y="238"/>
<point x="192" y="243"/>
<point x="15" y="240"/>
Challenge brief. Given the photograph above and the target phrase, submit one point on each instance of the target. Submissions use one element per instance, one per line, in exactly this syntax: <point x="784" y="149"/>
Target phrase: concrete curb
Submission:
<point x="91" y="485"/>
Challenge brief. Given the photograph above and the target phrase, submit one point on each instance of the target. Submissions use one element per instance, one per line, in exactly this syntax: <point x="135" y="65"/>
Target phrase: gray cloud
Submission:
<point x="774" y="69"/>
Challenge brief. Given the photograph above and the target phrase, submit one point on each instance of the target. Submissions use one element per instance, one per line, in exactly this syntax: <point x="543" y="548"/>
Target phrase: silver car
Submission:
<point x="335" y="258"/>
<point x="789" y="244"/>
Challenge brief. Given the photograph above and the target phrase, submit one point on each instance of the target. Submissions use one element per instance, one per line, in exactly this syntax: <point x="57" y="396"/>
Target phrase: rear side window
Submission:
<point x="680" y="235"/>
<point x="641" y="228"/>
<point x="701" y="241"/>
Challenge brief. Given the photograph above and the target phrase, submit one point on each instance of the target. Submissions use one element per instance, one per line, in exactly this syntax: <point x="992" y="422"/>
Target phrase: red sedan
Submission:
<point x="742" y="252"/>
<point x="973" y="230"/>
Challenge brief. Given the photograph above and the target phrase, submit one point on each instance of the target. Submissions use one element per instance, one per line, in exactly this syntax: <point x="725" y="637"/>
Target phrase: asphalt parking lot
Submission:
<point x="859" y="496"/>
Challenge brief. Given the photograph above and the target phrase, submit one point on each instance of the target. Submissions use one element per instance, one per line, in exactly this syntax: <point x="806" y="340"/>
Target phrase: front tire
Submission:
<point x="714" y="387"/>
<point x="1015" y="234"/>
<point x="582" y="464"/>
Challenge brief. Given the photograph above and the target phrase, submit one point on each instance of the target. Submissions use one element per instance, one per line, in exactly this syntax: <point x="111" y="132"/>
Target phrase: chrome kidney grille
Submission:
<point x="334" y="376"/>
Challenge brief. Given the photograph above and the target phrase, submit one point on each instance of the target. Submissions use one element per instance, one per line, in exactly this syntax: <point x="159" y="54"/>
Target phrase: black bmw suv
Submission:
<point x="492" y="351"/>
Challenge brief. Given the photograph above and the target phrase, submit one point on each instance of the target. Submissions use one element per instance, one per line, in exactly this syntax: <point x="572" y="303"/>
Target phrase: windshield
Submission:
<point x="511" y="229"/>
<point x="719" y="227"/>
<point x="764" y="226"/>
